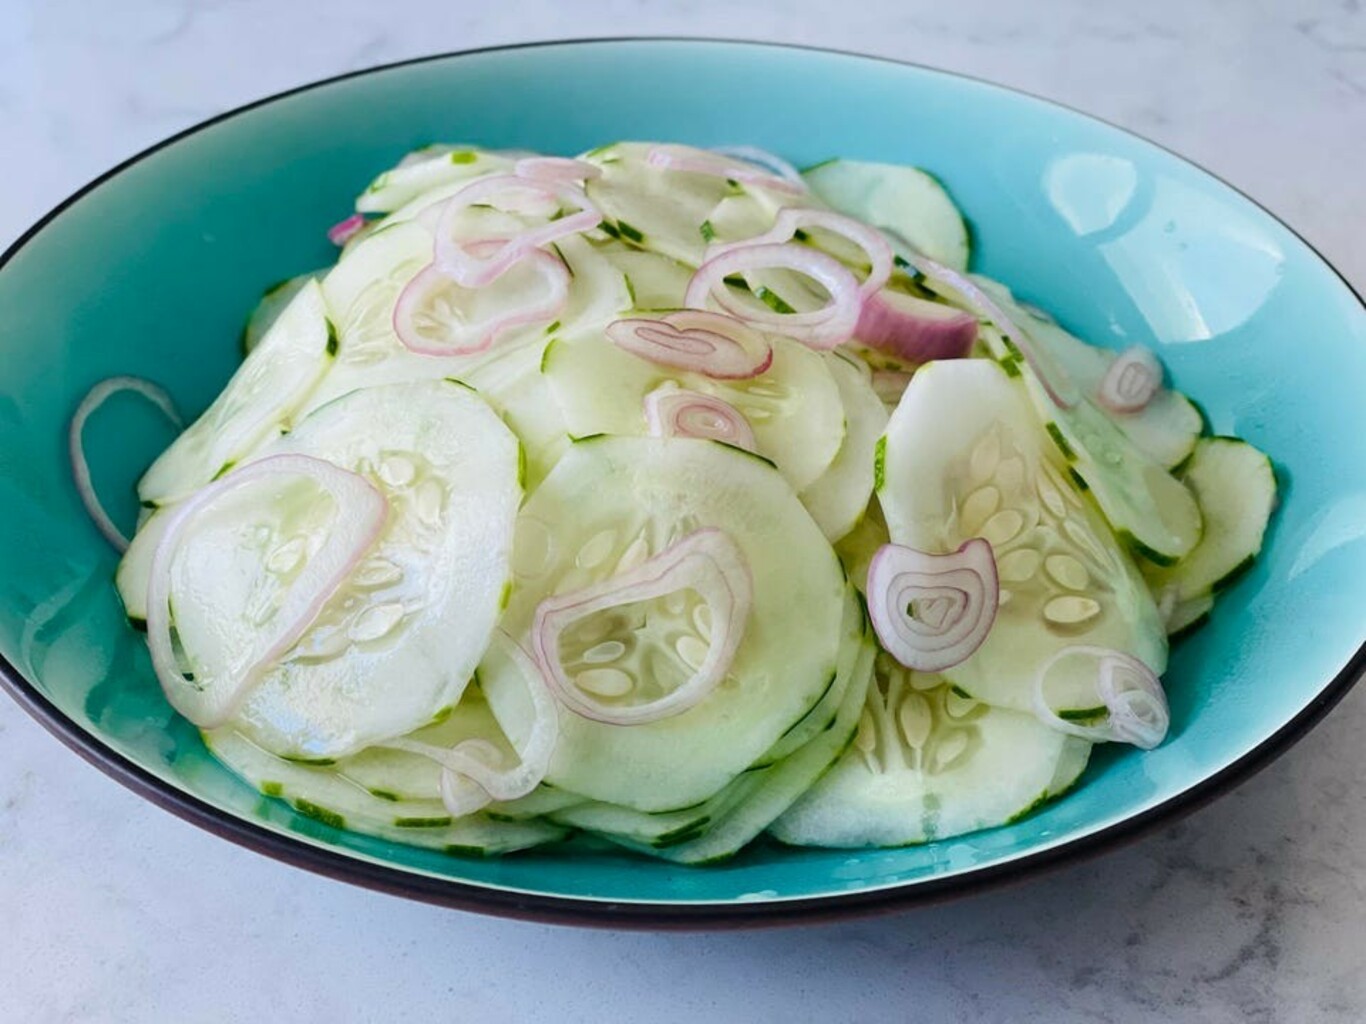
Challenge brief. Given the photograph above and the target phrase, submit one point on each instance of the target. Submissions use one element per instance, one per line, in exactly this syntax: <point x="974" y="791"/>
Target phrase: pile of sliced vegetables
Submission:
<point x="673" y="496"/>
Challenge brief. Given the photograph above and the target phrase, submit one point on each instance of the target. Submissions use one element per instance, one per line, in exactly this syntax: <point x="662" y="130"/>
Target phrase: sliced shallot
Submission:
<point x="821" y="329"/>
<point x="932" y="611"/>
<point x="556" y="168"/>
<point x="1053" y="377"/>
<point x="75" y="444"/>
<point x="763" y="158"/>
<point x="792" y="219"/>
<point x="1132" y="380"/>
<point x="476" y="269"/>
<point x="697" y="161"/>
<point x="672" y="411"/>
<point x="476" y="760"/>
<point x="438" y="316"/>
<point x="360" y="514"/>
<point x="707" y="562"/>
<point x="913" y="329"/>
<point x="713" y="344"/>
<point x="340" y="233"/>
<point x="1130" y="690"/>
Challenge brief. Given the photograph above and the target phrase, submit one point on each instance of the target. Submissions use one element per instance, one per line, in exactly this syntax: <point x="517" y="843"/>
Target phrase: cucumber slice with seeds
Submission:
<point x="928" y="764"/>
<point x="396" y="644"/>
<point x="965" y="456"/>
<point x="616" y="498"/>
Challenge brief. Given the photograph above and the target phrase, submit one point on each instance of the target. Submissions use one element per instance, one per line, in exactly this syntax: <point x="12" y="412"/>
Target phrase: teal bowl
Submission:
<point x="150" y="270"/>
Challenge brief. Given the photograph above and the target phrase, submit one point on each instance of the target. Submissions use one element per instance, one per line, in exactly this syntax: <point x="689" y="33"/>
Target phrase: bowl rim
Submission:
<point x="648" y="915"/>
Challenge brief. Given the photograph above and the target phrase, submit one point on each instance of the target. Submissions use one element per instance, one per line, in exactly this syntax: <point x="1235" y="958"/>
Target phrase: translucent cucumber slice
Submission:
<point x="135" y="568"/>
<point x="1166" y="429"/>
<point x="1151" y="511"/>
<point x="928" y="764"/>
<point x="656" y="283"/>
<point x="319" y="792"/>
<point x="651" y="207"/>
<point x="427" y="169"/>
<point x="397" y="643"/>
<point x="794" y="406"/>
<point x="857" y="548"/>
<point x="838" y="497"/>
<point x="399" y="775"/>
<point x="781" y="786"/>
<point x="965" y="456"/>
<point x="259" y="401"/>
<point x="274" y="302"/>
<point x="1235" y="485"/>
<point x="611" y="502"/>
<point x="902" y="199"/>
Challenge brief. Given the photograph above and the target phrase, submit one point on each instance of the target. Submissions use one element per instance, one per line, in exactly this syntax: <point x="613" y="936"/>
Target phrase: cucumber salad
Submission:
<point x="674" y="497"/>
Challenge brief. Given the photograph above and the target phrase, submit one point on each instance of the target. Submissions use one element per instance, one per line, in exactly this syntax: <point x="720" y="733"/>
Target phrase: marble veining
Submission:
<point x="1249" y="911"/>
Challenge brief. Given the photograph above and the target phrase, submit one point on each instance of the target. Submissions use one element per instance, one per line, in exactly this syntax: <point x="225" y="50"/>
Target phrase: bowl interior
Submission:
<point x="153" y="271"/>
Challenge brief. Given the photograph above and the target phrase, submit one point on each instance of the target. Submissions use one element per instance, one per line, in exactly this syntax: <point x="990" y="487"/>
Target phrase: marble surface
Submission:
<point x="1250" y="911"/>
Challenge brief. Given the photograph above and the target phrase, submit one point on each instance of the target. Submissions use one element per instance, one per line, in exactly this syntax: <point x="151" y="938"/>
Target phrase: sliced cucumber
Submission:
<point x="656" y="282"/>
<point x="837" y="498"/>
<point x="794" y="406"/>
<point x="260" y="400"/>
<point x="1236" y="488"/>
<point x="268" y="310"/>
<point x="428" y="169"/>
<point x="1187" y="616"/>
<point x="929" y="764"/>
<point x="782" y="785"/>
<point x="1154" y="513"/>
<point x="857" y="548"/>
<point x="1166" y="429"/>
<point x="652" y="207"/>
<point x="618" y="499"/>
<point x="135" y="568"/>
<point x="398" y="642"/>
<point x="901" y="199"/>
<point x="319" y="792"/>
<point x="400" y="775"/>
<point x="965" y="456"/>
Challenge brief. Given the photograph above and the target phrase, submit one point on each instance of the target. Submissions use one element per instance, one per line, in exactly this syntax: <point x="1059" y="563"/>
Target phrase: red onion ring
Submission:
<point x="706" y="561"/>
<point x="1054" y="378"/>
<point x="1131" y="382"/>
<point x="913" y="329"/>
<point x="474" y="271"/>
<point x="340" y="233"/>
<point x="556" y="168"/>
<point x="792" y="219"/>
<point x="416" y="328"/>
<point x="958" y="594"/>
<point x="768" y="161"/>
<point x="474" y="759"/>
<point x="821" y="329"/>
<point x="697" y="161"/>
<point x="1130" y="691"/>
<point x="672" y="411"/>
<point x="713" y="344"/>
<point x="80" y="468"/>
<point x="361" y="513"/>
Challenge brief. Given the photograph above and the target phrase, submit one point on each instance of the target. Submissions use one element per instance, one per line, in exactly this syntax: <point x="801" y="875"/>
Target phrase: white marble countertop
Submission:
<point x="1250" y="911"/>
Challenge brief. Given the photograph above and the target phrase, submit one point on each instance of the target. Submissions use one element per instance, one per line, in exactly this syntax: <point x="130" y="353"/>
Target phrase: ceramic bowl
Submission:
<point x="151" y="269"/>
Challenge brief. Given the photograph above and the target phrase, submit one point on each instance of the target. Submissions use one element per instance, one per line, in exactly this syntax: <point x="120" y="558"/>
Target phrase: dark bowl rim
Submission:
<point x="647" y="915"/>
